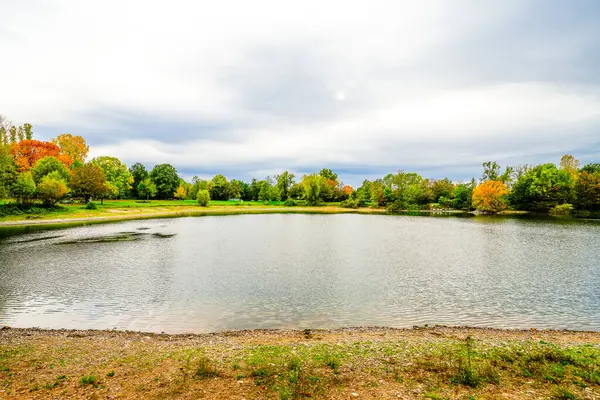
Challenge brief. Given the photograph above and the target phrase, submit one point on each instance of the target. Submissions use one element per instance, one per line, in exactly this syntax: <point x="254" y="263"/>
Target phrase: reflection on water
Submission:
<point x="298" y="271"/>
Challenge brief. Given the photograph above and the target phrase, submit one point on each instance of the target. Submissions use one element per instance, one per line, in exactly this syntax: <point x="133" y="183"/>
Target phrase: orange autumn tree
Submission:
<point x="28" y="152"/>
<point x="347" y="190"/>
<point x="490" y="196"/>
<point x="73" y="146"/>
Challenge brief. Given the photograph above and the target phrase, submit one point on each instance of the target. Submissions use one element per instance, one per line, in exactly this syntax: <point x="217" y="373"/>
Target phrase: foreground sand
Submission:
<point x="363" y="363"/>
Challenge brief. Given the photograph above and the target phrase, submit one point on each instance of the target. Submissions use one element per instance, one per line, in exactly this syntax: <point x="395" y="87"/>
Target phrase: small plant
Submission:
<point x="91" y="206"/>
<point x="111" y="374"/>
<point x="332" y="361"/>
<point x="466" y="374"/>
<point x="56" y="383"/>
<point x="88" y="380"/>
<point x="561" y="393"/>
<point x="205" y="369"/>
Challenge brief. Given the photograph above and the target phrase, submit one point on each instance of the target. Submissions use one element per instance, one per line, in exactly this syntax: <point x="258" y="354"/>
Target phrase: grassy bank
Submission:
<point x="424" y="363"/>
<point x="115" y="210"/>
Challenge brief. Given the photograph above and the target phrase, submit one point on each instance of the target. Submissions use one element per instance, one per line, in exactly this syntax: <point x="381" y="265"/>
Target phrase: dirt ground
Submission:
<point x="361" y="363"/>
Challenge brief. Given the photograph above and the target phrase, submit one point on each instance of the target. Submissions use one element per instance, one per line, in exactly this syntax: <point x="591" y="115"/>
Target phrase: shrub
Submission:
<point x="350" y="203"/>
<point x="562" y="209"/>
<point x="51" y="189"/>
<point x="88" y="380"/>
<point x="396" y="206"/>
<point x="203" y="197"/>
<point x="91" y="206"/>
<point x="290" y="203"/>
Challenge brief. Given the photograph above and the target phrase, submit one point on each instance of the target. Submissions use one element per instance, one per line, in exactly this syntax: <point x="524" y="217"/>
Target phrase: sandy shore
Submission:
<point x="364" y="363"/>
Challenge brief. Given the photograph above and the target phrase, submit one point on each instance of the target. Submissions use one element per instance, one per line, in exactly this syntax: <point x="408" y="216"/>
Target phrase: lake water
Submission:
<point x="207" y="274"/>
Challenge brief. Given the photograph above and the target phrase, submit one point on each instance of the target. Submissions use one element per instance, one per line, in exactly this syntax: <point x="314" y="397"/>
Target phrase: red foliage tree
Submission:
<point x="28" y="152"/>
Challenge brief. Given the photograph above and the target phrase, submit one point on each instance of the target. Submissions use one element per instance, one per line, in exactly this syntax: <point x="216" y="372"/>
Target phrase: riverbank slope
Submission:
<point x="118" y="214"/>
<point x="362" y="363"/>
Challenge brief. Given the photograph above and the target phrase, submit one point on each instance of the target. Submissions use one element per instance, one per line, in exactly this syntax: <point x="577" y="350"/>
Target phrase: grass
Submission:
<point x="114" y="210"/>
<point x="434" y="363"/>
<point x="88" y="380"/>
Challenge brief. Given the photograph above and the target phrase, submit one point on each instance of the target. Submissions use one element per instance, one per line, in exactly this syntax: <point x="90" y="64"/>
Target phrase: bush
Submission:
<point x="290" y="203"/>
<point x="51" y="189"/>
<point x="350" y="203"/>
<point x="562" y="209"/>
<point x="203" y="197"/>
<point x="91" y="206"/>
<point x="396" y="206"/>
<point x="28" y="209"/>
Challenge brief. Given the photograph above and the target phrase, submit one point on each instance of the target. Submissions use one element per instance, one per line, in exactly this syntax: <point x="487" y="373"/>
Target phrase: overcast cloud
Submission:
<point x="250" y="88"/>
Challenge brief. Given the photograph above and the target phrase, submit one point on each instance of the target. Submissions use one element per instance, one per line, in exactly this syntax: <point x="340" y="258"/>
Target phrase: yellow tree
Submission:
<point x="181" y="192"/>
<point x="490" y="196"/>
<point x="73" y="146"/>
<point x="571" y="165"/>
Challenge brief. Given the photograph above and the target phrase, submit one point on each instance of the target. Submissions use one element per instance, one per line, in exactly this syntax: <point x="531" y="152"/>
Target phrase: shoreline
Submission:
<point x="118" y="214"/>
<point x="437" y="362"/>
<point x="189" y="211"/>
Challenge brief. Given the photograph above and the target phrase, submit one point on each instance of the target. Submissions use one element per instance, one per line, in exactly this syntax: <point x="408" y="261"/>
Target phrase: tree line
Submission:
<point x="55" y="170"/>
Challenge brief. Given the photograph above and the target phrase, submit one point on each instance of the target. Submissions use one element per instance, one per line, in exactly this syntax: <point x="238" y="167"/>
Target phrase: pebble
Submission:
<point x="354" y="394"/>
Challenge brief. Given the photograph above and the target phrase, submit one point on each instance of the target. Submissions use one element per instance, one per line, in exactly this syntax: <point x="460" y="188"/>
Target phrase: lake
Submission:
<point x="205" y="274"/>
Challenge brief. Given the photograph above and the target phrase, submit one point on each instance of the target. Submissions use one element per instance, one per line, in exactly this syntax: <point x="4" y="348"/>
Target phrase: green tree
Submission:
<point x="463" y="195"/>
<point x="118" y="178"/>
<point x="296" y="191"/>
<point x="363" y="193"/>
<point x="591" y="168"/>
<point x="328" y="174"/>
<point x="254" y="189"/>
<point x="27" y="128"/>
<point x="285" y="181"/>
<point x="139" y="173"/>
<point x="242" y="188"/>
<point x="8" y="172"/>
<point x="312" y="188"/>
<point x="508" y="176"/>
<point x="13" y="134"/>
<point x="203" y="197"/>
<point x="48" y="165"/>
<point x="146" y="189"/>
<point x="235" y="189"/>
<point x="166" y="180"/>
<point x="542" y="188"/>
<point x="377" y="191"/>
<point x="24" y="188"/>
<point x="52" y="188"/>
<point x="219" y="188"/>
<point x="88" y="182"/>
<point x="4" y="137"/>
<point x="407" y="189"/>
<point x="197" y="185"/>
<point x="491" y="171"/>
<point x="442" y="188"/>
<point x="268" y="192"/>
<point x="587" y="189"/>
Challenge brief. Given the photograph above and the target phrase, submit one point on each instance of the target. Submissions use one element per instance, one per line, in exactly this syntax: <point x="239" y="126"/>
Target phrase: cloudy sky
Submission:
<point x="250" y="88"/>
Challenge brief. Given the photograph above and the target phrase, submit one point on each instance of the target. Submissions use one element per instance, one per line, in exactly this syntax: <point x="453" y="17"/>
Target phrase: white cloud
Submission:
<point x="378" y="83"/>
